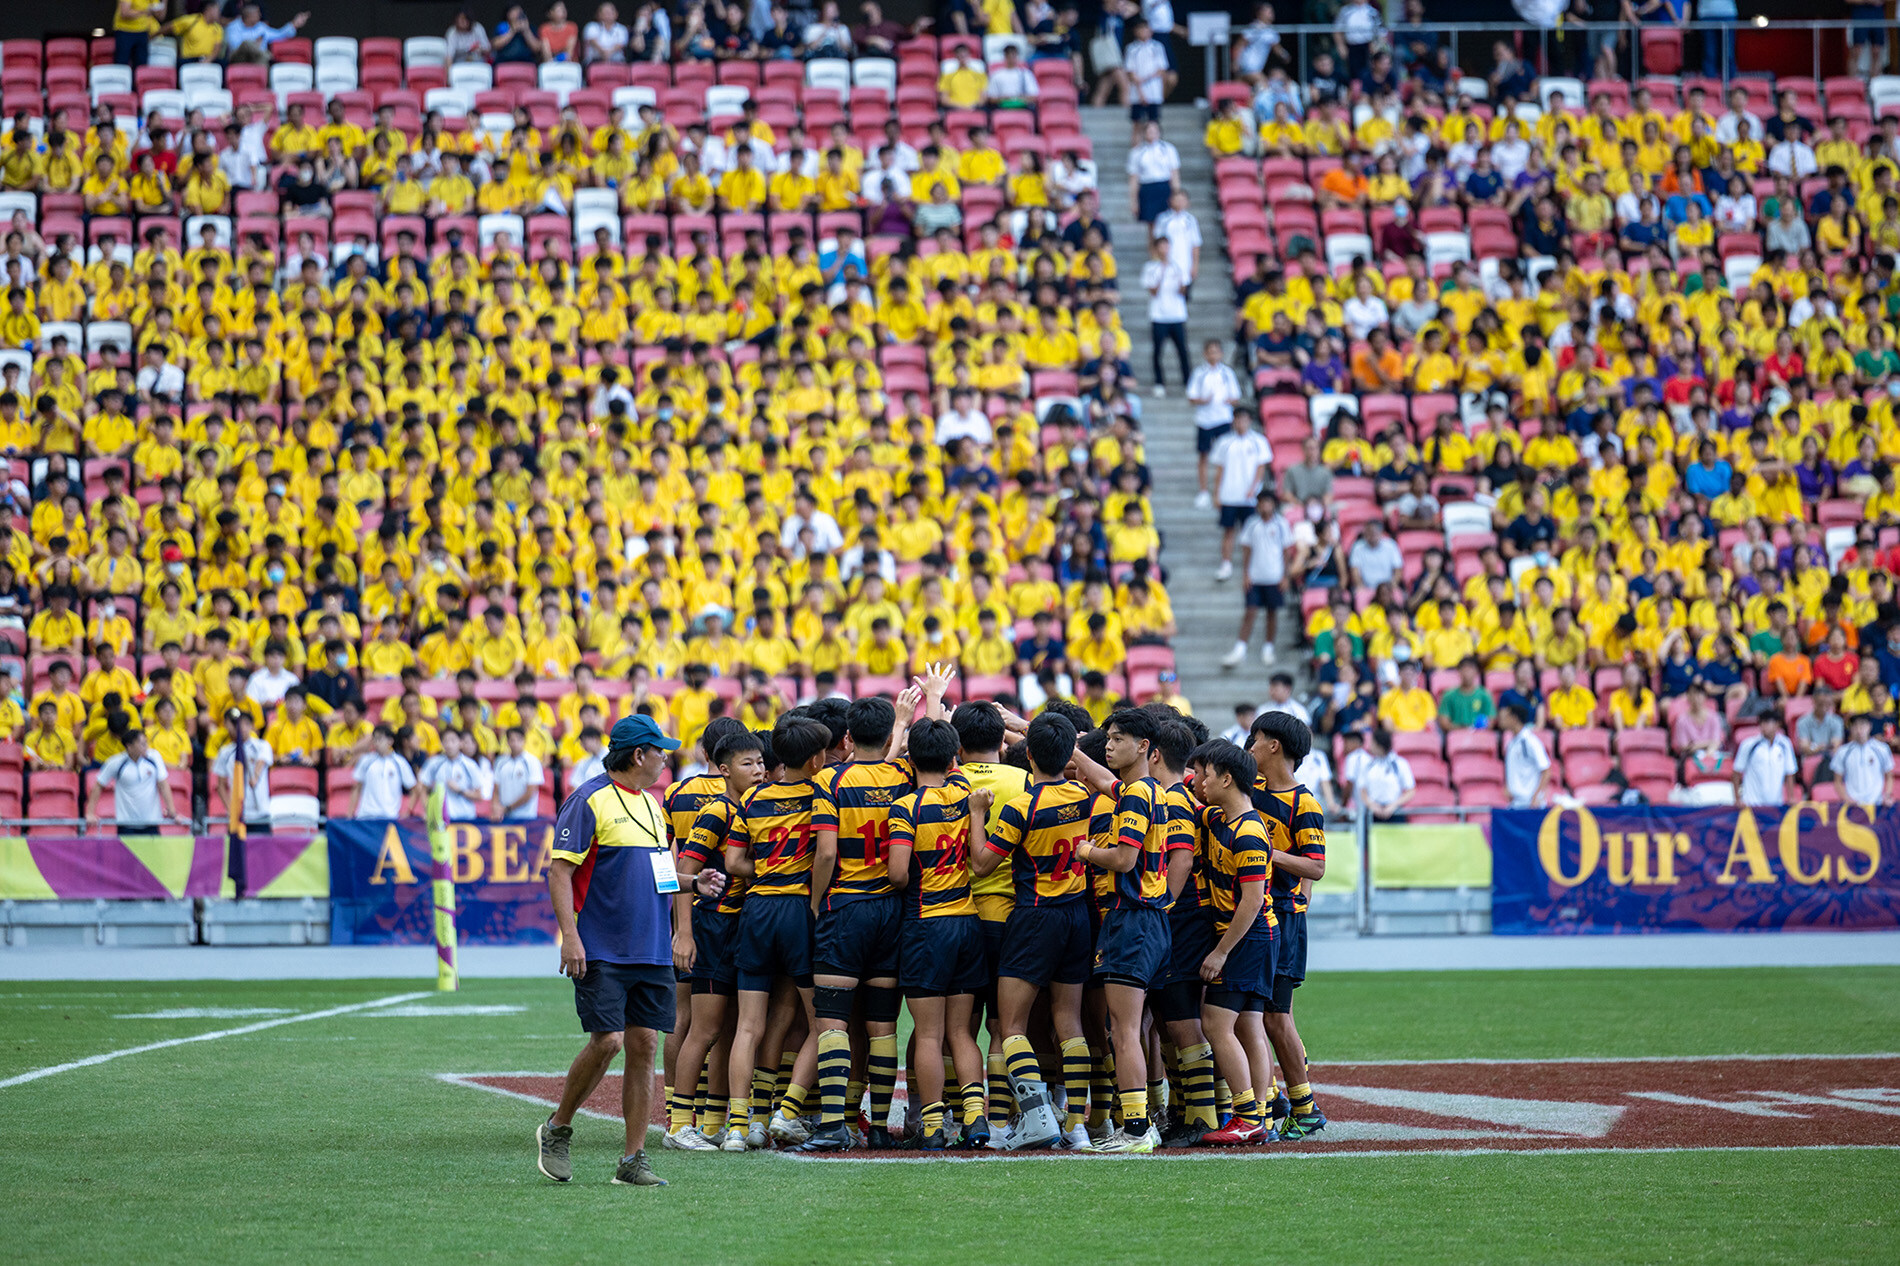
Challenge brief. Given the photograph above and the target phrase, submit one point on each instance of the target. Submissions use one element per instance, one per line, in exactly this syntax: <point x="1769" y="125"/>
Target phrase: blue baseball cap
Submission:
<point x="639" y="731"/>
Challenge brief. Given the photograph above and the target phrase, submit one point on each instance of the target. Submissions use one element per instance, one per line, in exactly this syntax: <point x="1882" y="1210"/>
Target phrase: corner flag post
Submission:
<point x="447" y="978"/>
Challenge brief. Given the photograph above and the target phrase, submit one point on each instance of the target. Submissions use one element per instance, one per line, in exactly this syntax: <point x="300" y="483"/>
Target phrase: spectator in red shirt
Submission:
<point x="1835" y="667"/>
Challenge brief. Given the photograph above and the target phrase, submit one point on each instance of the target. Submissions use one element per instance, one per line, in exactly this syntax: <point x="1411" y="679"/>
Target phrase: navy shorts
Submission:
<point x="1234" y="516"/>
<point x="1132" y="947"/>
<point x="1207" y="436"/>
<point x="1289" y="959"/>
<point x="1265" y="597"/>
<point x="612" y="997"/>
<point x="1190" y="940"/>
<point x="859" y="939"/>
<point x="714" y="938"/>
<point x="1246" y="982"/>
<point x="774" y="941"/>
<point x="1048" y="944"/>
<point x="1145" y="112"/>
<point x="943" y="956"/>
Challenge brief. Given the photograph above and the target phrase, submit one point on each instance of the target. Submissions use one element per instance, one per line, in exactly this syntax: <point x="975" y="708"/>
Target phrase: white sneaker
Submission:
<point x="1122" y="1141"/>
<point x="1099" y="1133"/>
<point x="1003" y="1140"/>
<point x="1076" y="1139"/>
<point x="1225" y="571"/>
<point x="1234" y="657"/>
<point x="734" y="1141"/>
<point x="1160" y="391"/>
<point x="755" y="1137"/>
<point x="684" y="1139"/>
<point x="1203" y="500"/>
<point x="788" y="1130"/>
<point x="693" y="1140"/>
<point x="1267" y="654"/>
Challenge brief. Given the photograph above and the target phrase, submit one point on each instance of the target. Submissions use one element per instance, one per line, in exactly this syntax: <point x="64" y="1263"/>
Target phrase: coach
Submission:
<point x="614" y="888"/>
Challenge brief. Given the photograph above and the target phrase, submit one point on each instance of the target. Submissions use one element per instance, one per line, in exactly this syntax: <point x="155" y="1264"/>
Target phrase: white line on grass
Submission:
<point x="261" y="1025"/>
<point x="1275" y="1152"/>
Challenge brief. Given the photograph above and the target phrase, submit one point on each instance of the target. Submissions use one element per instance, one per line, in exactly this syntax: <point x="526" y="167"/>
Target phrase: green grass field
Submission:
<point x="333" y="1139"/>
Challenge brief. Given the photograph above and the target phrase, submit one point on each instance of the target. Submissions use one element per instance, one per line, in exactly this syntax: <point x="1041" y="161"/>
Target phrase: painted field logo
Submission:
<point x="1537" y="1105"/>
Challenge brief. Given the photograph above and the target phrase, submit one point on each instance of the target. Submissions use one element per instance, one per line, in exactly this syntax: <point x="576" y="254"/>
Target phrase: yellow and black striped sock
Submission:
<point x="739" y="1111"/>
<point x="1197" y="1086"/>
<point x="792" y="1106"/>
<point x="1077" y="1068"/>
<point x="763" y="1080"/>
<point x="1101" y="1085"/>
<point x="702" y="1094"/>
<point x="933" y="1117"/>
<point x="1267" y="1093"/>
<point x="834" y="1074"/>
<point x="1223" y="1098"/>
<point x="1020" y="1061"/>
<point x="881" y="1070"/>
<point x="1249" y="1109"/>
<point x="1158" y="1096"/>
<point x="787" y="1060"/>
<point x="973" y="1103"/>
<point x="672" y="1104"/>
<point x="854" y="1098"/>
<point x="999" y="1096"/>
<point x="1302" y="1098"/>
<point x="712" y="1122"/>
<point x="679" y="1112"/>
<point x="1134" y="1105"/>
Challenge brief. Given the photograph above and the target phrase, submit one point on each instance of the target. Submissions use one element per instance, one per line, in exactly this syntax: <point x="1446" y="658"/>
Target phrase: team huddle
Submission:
<point x="1117" y="911"/>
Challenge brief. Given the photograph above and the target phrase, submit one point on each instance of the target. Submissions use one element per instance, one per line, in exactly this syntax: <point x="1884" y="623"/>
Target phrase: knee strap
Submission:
<point x="880" y="1004"/>
<point x="831" y="1003"/>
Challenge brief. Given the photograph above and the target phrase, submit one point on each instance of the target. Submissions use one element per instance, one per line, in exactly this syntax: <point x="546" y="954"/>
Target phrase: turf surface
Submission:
<point x="333" y="1139"/>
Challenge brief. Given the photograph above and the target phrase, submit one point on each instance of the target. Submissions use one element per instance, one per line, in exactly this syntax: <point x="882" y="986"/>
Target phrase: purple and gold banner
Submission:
<point x="381" y="890"/>
<point x="1811" y="866"/>
<point x="145" y="867"/>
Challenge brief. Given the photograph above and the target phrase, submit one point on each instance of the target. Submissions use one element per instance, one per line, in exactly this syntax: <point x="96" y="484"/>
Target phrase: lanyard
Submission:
<point x="657" y="843"/>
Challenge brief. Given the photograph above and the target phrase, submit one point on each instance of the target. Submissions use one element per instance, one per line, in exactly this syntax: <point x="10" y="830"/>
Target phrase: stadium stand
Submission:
<point x="402" y="381"/>
<point x="1603" y="375"/>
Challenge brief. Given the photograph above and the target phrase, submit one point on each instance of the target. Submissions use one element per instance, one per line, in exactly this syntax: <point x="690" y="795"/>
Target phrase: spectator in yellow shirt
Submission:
<point x="1409" y="708"/>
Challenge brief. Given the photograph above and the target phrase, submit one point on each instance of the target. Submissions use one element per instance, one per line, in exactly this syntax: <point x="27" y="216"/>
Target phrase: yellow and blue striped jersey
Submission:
<point x="1038" y="832"/>
<point x="685" y="798"/>
<point x="864" y="792"/>
<point x="934" y="822"/>
<point x="1140" y="823"/>
<point x="609" y="834"/>
<point x="1184" y="831"/>
<point x="1298" y="826"/>
<point x="1237" y="852"/>
<point x="778" y="824"/>
<point x="706" y="843"/>
<point x="996" y="892"/>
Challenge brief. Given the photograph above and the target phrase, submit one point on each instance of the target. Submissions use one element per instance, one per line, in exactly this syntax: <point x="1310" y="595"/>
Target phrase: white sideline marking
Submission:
<point x="1597" y="1059"/>
<point x="205" y="1013"/>
<point x="1691" y="1101"/>
<point x="468" y="1079"/>
<point x="423" y="1011"/>
<point x="90" y="1060"/>
<point x="1278" y="1152"/>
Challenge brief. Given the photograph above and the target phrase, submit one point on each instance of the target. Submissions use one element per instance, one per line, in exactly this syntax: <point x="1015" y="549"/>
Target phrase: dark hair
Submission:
<point x="735" y="744"/>
<point x="1291" y="733"/>
<point x="871" y="721"/>
<point x="766" y="749"/>
<point x="1173" y="743"/>
<point x="933" y="746"/>
<point x="1051" y="742"/>
<point x="1222" y="757"/>
<point x="717" y="731"/>
<point x="979" y="727"/>
<point x="797" y="740"/>
<point x="1074" y="713"/>
<point x="832" y="713"/>
<point x="1135" y="724"/>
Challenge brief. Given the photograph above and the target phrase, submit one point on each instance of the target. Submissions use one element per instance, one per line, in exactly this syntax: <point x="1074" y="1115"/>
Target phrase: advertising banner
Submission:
<point x="1658" y="868"/>
<point x="381" y="876"/>
<point x="87" y="868"/>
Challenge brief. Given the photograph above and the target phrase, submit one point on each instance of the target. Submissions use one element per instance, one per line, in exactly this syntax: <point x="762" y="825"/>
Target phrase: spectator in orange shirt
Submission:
<point x="1789" y="673"/>
<point x="1343" y="186"/>
<point x="1831" y="623"/>
<point x="1378" y="366"/>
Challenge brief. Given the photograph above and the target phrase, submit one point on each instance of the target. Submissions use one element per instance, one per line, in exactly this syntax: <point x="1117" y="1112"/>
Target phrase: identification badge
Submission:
<point x="665" y="878"/>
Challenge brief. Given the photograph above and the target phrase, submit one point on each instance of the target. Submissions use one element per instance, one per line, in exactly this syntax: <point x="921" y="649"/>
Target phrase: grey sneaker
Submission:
<point x="551" y="1143"/>
<point x="733" y="1140"/>
<point x="755" y="1137"/>
<point x="788" y="1130"/>
<point x="635" y="1172"/>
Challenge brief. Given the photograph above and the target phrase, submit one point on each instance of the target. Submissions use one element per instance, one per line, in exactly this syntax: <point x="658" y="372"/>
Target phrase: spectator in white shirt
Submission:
<point x="1166" y="285"/>
<point x="1374" y="557"/>
<point x="463" y="778"/>
<point x="1012" y="84"/>
<point x="1863" y="766"/>
<point x="1147" y="76"/>
<point x="1264" y="542"/>
<point x="141" y="791"/>
<point x="258" y="758"/>
<point x="1182" y="232"/>
<point x="383" y="778"/>
<point x="591" y="765"/>
<point x="1765" y="765"/>
<point x="605" y="38"/>
<point x="1316" y="775"/>
<point x="518" y="780"/>
<point x="269" y="683"/>
<point x="965" y="419"/>
<point x="1238" y="732"/>
<point x="1526" y="763"/>
<point x="1280" y="698"/>
<point x="826" y="538"/>
<point x="1213" y="390"/>
<point x="1154" y="173"/>
<point x="1243" y="461"/>
<point x="1385" y="784"/>
<point x="157" y="377"/>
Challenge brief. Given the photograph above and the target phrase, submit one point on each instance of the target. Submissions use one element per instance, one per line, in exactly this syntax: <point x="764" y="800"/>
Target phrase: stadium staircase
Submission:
<point x="1206" y="614"/>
